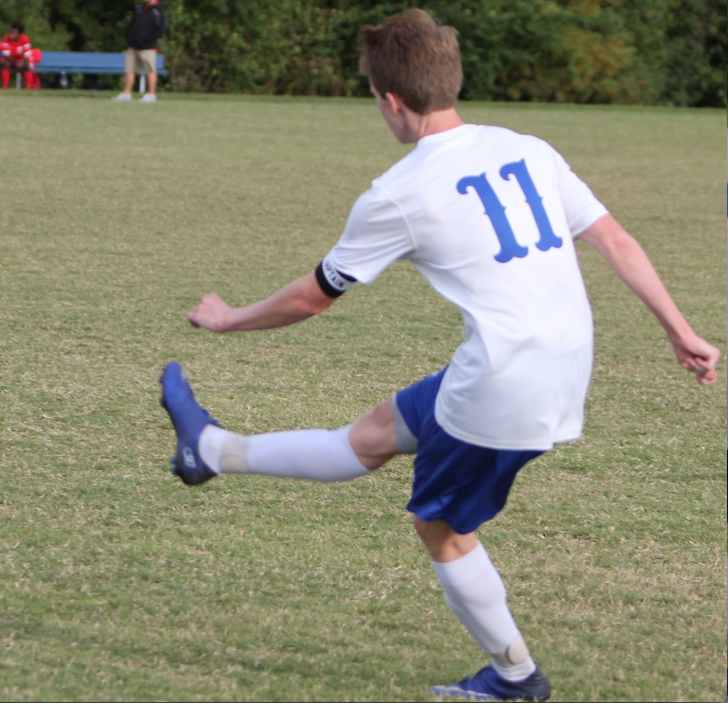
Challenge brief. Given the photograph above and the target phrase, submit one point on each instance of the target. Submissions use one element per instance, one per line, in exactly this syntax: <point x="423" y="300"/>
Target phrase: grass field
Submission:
<point x="118" y="582"/>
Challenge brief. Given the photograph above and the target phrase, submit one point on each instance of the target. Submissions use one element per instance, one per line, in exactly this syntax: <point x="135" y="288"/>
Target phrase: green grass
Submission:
<point x="118" y="582"/>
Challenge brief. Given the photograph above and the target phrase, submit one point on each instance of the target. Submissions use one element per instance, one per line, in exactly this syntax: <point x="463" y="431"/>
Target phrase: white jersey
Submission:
<point x="488" y="217"/>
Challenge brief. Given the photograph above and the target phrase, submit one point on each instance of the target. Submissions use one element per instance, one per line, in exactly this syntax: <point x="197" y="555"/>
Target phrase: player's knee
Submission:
<point x="442" y="542"/>
<point x="382" y="415"/>
<point x="433" y="536"/>
<point x="420" y="526"/>
<point x="372" y="437"/>
<point x="431" y="532"/>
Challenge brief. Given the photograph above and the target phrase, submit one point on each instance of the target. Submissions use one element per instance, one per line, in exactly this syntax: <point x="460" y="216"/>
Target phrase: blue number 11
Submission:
<point x="497" y="213"/>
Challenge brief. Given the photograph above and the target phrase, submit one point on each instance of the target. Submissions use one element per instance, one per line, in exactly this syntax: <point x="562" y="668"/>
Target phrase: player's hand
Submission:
<point x="212" y="314"/>
<point x="698" y="356"/>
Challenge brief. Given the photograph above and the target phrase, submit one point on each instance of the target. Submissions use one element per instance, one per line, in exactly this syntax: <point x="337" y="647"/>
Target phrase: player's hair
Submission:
<point x="17" y="25"/>
<point x="415" y="58"/>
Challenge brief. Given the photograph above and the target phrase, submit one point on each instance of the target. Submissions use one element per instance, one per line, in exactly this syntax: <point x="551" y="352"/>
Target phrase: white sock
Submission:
<point x="316" y="455"/>
<point x="476" y="593"/>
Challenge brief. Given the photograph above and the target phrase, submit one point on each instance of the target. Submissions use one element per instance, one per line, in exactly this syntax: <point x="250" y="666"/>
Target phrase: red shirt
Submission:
<point x="16" y="50"/>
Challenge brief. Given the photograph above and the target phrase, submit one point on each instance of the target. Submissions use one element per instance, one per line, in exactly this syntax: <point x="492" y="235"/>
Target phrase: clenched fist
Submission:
<point x="212" y="314"/>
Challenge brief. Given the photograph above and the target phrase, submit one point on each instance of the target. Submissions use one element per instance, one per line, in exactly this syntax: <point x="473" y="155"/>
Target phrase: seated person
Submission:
<point x="15" y="50"/>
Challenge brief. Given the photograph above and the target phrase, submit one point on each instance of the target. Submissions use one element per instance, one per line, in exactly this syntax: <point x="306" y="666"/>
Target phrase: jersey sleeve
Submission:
<point x="376" y="234"/>
<point x="581" y="206"/>
<point x="161" y="22"/>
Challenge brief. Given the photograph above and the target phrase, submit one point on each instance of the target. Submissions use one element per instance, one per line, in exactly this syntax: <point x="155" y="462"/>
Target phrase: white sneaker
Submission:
<point x="122" y="98"/>
<point x="148" y="98"/>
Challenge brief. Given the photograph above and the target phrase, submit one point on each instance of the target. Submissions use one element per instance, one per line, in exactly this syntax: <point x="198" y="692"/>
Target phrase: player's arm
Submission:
<point x="295" y="302"/>
<point x="161" y="23"/>
<point x="633" y="266"/>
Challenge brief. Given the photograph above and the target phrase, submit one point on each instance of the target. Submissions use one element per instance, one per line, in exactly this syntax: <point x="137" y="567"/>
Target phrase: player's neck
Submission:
<point x="433" y="123"/>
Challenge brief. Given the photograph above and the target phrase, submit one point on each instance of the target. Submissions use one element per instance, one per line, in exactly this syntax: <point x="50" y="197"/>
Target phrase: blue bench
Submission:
<point x="70" y="62"/>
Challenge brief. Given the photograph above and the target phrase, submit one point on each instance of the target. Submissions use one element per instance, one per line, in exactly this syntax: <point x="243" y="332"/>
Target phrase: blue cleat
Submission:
<point x="488" y="685"/>
<point x="189" y="419"/>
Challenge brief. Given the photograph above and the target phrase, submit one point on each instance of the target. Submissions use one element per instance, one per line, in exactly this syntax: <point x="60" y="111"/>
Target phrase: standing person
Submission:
<point x="489" y="217"/>
<point x="15" y="50"/>
<point x="148" y="25"/>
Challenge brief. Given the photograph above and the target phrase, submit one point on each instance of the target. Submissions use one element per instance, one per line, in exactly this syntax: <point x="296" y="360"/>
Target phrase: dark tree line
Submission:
<point x="586" y="51"/>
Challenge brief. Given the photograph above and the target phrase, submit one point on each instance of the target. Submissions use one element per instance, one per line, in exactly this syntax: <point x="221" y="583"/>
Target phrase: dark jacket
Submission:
<point x="147" y="26"/>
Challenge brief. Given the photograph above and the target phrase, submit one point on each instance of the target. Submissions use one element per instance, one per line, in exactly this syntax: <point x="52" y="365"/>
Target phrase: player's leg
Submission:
<point x="376" y="436"/>
<point x="5" y="65"/>
<point x="28" y="76"/>
<point x="131" y="67"/>
<point x="457" y="486"/>
<point x="476" y="594"/>
<point x="33" y="81"/>
<point x="205" y="450"/>
<point x="148" y="59"/>
<point x="125" y="95"/>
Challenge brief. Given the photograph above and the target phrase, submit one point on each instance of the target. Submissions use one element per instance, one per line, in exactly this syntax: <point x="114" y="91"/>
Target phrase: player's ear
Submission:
<point x="395" y="103"/>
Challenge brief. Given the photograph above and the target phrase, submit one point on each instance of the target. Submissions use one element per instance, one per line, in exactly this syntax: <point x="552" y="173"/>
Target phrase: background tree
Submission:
<point x="584" y="51"/>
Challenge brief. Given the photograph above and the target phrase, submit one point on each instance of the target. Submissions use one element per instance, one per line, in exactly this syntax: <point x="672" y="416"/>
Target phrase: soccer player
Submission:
<point x="489" y="217"/>
<point x="15" y="50"/>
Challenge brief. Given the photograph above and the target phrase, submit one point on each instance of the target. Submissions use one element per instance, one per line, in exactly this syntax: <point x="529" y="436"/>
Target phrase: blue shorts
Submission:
<point x="460" y="483"/>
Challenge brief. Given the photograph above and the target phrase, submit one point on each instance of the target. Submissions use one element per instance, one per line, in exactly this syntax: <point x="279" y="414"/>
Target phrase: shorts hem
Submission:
<point x="443" y="517"/>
